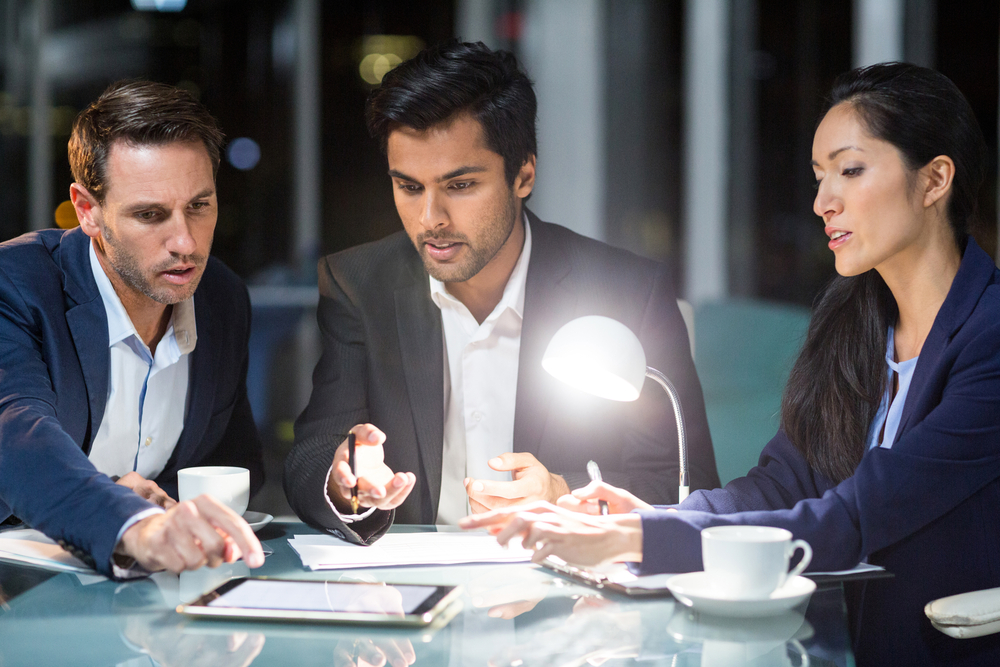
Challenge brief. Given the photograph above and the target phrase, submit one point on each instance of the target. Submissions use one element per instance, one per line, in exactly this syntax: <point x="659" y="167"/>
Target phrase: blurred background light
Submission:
<point x="159" y="5"/>
<point x="243" y="153"/>
<point x="380" y="53"/>
<point x="66" y="215"/>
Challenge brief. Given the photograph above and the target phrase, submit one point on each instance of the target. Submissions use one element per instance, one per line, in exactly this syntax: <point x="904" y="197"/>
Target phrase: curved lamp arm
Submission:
<point x="684" y="486"/>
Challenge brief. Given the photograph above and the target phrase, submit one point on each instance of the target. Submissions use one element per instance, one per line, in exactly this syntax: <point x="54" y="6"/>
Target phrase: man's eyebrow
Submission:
<point x="143" y="205"/>
<point x="461" y="171"/>
<point x="837" y="152"/>
<point x="207" y="192"/>
<point x="398" y="174"/>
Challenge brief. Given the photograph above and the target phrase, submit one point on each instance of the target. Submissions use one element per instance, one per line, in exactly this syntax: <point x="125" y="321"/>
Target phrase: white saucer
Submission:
<point x="257" y="520"/>
<point x="697" y="591"/>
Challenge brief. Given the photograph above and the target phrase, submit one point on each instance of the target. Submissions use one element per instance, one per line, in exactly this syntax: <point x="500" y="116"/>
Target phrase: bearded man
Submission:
<point x="433" y="337"/>
<point x="123" y="348"/>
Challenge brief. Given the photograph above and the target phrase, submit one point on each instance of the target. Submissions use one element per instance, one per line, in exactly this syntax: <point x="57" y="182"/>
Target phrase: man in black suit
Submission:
<point x="435" y="334"/>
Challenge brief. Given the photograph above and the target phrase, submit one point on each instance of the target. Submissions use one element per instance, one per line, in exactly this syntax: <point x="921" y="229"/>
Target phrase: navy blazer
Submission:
<point x="54" y="366"/>
<point x="926" y="509"/>
<point x="383" y="362"/>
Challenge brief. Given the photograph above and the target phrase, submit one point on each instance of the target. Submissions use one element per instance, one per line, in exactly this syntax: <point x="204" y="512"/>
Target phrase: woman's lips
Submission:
<point x="838" y="237"/>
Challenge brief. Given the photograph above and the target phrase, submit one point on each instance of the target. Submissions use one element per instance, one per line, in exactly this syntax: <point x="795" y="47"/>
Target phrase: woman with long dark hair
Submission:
<point x="889" y="448"/>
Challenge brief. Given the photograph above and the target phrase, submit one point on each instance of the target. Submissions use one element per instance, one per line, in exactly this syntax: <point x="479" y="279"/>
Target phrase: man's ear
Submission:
<point x="87" y="210"/>
<point x="940" y="174"/>
<point x="524" y="182"/>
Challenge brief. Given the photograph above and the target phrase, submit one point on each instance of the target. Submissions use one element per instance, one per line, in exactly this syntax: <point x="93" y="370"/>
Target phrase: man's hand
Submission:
<point x="532" y="481"/>
<point x="377" y="485"/>
<point x="586" y="500"/>
<point x="189" y="535"/>
<point x="148" y="489"/>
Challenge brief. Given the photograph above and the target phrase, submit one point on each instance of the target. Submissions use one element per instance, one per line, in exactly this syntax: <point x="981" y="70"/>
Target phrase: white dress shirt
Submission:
<point x="480" y="386"/>
<point x="147" y="394"/>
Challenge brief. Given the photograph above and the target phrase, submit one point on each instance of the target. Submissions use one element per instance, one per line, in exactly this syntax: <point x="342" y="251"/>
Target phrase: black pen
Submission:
<point x="354" y="470"/>
<point x="595" y="476"/>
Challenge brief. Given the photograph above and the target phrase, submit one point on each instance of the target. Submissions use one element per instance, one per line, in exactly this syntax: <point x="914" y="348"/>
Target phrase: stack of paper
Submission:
<point x="323" y="552"/>
<point x="33" y="548"/>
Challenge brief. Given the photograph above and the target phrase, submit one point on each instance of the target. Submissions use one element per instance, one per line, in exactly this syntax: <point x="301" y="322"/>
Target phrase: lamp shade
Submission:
<point x="598" y="355"/>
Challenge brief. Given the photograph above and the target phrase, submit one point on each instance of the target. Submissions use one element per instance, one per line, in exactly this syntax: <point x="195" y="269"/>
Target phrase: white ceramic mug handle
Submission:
<point x="807" y="554"/>
<point x="803" y="655"/>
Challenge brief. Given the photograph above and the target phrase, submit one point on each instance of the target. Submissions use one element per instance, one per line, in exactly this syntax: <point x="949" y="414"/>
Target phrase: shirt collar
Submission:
<point x="182" y="329"/>
<point x="513" y="292"/>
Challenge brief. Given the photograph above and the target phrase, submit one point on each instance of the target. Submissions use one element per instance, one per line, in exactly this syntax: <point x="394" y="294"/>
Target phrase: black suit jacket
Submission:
<point x="54" y="364"/>
<point x="382" y="363"/>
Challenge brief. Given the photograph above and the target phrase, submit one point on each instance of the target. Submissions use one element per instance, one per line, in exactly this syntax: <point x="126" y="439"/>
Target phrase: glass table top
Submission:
<point x="513" y="615"/>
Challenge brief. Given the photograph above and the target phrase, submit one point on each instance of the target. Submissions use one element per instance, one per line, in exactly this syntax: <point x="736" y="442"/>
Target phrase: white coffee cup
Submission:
<point x="750" y="562"/>
<point x="227" y="484"/>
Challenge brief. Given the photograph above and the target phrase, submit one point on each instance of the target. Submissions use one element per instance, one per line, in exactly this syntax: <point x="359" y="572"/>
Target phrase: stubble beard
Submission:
<point x="479" y="252"/>
<point x="128" y="268"/>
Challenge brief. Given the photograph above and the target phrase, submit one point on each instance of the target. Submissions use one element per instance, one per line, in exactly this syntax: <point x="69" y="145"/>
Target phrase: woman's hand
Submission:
<point x="586" y="500"/>
<point x="576" y="538"/>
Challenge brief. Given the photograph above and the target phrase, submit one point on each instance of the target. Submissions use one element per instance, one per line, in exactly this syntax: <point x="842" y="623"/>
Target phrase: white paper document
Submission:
<point x="31" y="547"/>
<point x="324" y="552"/>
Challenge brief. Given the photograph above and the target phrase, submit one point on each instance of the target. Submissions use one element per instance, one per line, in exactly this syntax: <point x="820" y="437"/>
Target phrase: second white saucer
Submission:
<point x="698" y="591"/>
<point x="257" y="520"/>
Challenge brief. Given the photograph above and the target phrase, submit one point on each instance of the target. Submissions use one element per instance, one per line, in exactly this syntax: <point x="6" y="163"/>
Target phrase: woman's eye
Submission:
<point x="853" y="171"/>
<point x="816" y="183"/>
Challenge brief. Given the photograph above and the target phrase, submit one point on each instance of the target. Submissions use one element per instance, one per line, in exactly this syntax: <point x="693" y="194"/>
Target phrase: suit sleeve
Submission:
<point x="339" y="400"/>
<point x="45" y="478"/>
<point x="934" y="467"/>
<point x="649" y="465"/>
<point x="241" y="444"/>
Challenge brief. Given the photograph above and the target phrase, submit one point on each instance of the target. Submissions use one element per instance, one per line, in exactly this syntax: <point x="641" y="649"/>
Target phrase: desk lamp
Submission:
<point x="602" y="356"/>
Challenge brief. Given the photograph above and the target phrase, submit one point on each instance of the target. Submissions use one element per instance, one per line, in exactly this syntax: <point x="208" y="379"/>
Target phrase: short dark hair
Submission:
<point x="455" y="77"/>
<point x="141" y="113"/>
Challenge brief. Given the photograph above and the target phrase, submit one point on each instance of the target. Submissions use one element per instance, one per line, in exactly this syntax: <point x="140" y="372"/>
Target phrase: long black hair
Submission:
<point x="837" y="382"/>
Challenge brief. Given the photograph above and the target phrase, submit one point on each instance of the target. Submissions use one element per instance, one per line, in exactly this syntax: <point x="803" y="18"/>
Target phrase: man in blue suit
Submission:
<point x="114" y="371"/>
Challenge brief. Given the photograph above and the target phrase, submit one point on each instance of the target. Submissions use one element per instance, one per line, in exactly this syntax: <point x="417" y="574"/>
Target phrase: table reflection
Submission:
<point x="511" y="616"/>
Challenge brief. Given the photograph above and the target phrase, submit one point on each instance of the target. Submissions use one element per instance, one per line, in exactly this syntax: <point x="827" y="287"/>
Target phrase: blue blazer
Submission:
<point x="926" y="509"/>
<point x="54" y="366"/>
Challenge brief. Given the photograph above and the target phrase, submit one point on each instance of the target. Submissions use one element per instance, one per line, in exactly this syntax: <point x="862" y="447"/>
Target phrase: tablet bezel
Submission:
<point x="424" y="615"/>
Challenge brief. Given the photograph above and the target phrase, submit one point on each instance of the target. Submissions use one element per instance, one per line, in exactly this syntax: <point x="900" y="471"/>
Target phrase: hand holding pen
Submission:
<point x="359" y="478"/>
<point x="598" y="497"/>
<point x="595" y="476"/>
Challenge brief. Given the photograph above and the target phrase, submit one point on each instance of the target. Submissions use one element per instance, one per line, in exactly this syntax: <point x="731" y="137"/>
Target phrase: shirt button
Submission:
<point x="149" y="441"/>
<point x="477" y="415"/>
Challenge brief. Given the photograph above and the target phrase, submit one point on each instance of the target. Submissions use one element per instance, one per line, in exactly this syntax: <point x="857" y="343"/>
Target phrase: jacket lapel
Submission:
<point x="549" y="302"/>
<point x="88" y="325"/>
<point x="421" y="345"/>
<point x="202" y="380"/>
<point x="973" y="275"/>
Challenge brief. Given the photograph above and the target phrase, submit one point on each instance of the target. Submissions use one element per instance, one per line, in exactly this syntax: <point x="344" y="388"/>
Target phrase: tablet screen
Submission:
<point x="325" y="596"/>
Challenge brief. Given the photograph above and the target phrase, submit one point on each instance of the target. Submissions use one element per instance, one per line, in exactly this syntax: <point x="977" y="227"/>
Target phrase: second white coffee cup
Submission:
<point x="750" y="562"/>
<point x="227" y="484"/>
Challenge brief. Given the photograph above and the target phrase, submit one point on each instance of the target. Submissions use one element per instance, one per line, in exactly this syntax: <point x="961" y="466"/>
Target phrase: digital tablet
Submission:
<point x="327" y="601"/>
